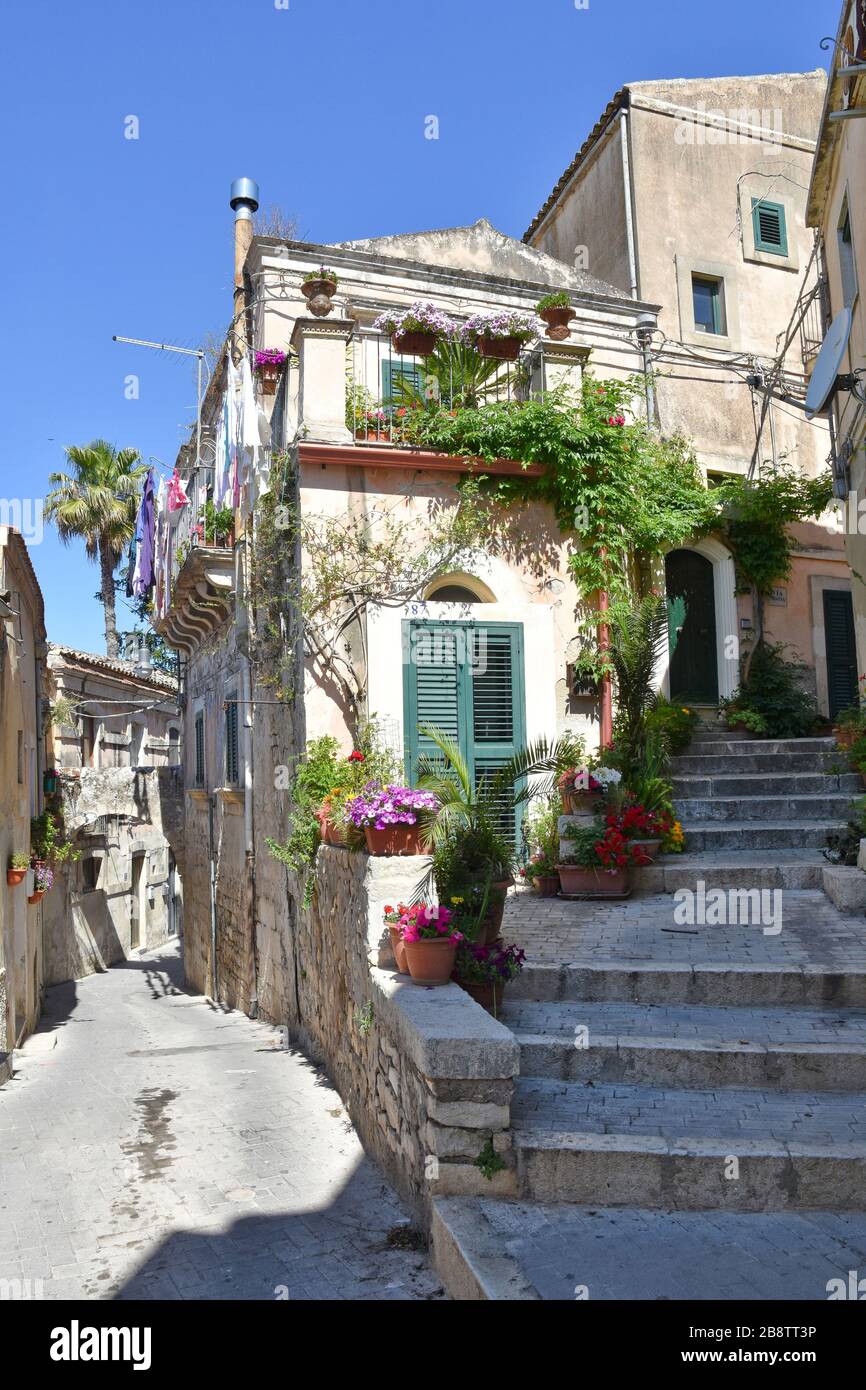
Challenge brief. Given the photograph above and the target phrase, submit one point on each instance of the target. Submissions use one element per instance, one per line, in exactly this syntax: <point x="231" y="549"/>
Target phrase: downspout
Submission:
<point x="629" y="205"/>
<point x="213" y="910"/>
<point x="249" y="838"/>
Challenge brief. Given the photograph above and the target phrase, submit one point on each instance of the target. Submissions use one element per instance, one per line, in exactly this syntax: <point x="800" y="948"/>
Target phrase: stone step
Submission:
<point x="793" y="869"/>
<point x="682" y="1045"/>
<point x="724" y="836"/>
<point x="700" y="765"/>
<point x="806" y="809"/>
<point x="748" y="1150"/>
<point x="752" y="747"/>
<point x="750" y="784"/>
<point x="681" y="982"/>
<point x="489" y="1249"/>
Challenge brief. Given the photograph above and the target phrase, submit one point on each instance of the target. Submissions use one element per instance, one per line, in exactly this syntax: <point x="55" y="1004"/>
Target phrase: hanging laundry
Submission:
<point x="142" y="581"/>
<point x="177" y="498"/>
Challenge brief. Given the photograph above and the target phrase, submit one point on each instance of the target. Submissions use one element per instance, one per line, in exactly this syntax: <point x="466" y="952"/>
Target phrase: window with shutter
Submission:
<point x="401" y="380"/>
<point x="842" y="688"/>
<point x="466" y="678"/>
<point x="847" y="266"/>
<point x="768" y="222"/>
<point x="232" y="763"/>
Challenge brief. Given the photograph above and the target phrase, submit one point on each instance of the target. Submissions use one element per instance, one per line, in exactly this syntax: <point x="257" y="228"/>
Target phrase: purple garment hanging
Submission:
<point x="144" y="575"/>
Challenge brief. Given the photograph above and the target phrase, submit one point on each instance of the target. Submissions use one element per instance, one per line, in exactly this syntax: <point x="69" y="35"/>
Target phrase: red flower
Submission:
<point x="356" y="757"/>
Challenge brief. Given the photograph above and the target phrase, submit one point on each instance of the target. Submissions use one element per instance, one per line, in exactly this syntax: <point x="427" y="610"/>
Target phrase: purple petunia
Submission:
<point x="380" y="807"/>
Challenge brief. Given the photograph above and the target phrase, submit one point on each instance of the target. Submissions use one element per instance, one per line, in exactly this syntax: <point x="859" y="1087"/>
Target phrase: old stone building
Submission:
<point x="22" y="762"/>
<point x="837" y="210"/>
<point x="691" y="193"/>
<point x="116" y="749"/>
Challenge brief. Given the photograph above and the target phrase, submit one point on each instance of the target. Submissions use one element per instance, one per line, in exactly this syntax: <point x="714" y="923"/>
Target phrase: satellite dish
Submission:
<point x="823" y="382"/>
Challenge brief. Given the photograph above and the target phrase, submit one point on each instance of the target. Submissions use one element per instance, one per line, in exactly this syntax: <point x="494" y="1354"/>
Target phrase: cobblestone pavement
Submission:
<point x="155" y="1146"/>
<point x="625" y="1253"/>
<point x="554" y="931"/>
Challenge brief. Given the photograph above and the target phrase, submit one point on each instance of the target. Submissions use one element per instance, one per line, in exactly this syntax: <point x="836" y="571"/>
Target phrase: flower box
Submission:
<point x="503" y="349"/>
<point x="414" y="344"/>
<point x="546" y="885"/>
<point x="593" y="883"/>
<point x="393" y="839"/>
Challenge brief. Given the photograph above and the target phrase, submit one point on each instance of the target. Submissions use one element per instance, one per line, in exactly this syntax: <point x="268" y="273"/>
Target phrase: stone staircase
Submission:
<point x="756" y="812"/>
<point x="693" y="1072"/>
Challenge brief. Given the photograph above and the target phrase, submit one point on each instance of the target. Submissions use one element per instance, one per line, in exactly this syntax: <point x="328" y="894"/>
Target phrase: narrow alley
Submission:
<point x="155" y="1146"/>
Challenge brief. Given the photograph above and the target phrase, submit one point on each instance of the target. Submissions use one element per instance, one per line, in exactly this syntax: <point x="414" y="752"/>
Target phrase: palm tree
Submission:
<point x="97" y="503"/>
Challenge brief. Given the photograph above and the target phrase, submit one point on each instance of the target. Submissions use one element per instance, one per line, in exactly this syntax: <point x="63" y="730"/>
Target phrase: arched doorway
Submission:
<point x="691" y="603"/>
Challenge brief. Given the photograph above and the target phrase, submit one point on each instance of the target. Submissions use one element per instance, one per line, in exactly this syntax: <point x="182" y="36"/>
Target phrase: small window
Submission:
<point x="768" y="222"/>
<point x="847" y="268"/>
<point x="90" y="873"/>
<point x="173" y="746"/>
<point x="708" y="300"/>
<point x="199" y="749"/>
<point x="232" y="769"/>
<point x="454" y="593"/>
<point x="88" y="740"/>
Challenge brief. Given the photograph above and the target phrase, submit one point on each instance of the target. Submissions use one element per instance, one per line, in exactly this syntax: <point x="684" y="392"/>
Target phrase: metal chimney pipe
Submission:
<point x="244" y="200"/>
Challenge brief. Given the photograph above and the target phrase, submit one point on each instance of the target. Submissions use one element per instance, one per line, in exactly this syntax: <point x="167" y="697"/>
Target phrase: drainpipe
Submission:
<point x="629" y="207"/>
<point x="213" y="911"/>
<point x="249" y="836"/>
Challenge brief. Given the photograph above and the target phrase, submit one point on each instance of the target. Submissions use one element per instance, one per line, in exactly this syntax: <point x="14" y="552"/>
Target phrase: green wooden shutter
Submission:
<point x="199" y="750"/>
<point x="841" y="650"/>
<point x="768" y="221"/>
<point x="467" y="678"/>
<point x="396" y="374"/>
<point x="232" y="760"/>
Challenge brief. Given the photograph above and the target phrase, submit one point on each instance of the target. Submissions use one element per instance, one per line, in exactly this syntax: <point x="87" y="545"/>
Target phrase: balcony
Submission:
<point x="201" y="597"/>
<point x="348" y="387"/>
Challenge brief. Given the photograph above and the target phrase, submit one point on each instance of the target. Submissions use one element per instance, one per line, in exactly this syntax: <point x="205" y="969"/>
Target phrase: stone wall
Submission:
<point x="426" y="1074"/>
<point x="135" y="812"/>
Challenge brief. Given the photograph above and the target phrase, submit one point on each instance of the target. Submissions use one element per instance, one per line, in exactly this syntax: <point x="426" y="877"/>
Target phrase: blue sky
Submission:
<point x="323" y="103"/>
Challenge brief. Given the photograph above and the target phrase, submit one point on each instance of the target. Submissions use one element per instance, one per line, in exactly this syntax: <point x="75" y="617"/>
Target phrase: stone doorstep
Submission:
<point x="795" y="869"/>
<point x="845" y="886"/>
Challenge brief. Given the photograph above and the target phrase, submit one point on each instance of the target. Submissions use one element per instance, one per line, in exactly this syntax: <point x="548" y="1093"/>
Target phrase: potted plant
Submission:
<point x="741" y="719"/>
<point x="472" y="855"/>
<point x="542" y="873"/>
<point x="394" y="917"/>
<point x="557" y="313"/>
<point x="857" y="756"/>
<point x="542" y="838"/>
<point x="599" y="862"/>
<point x="849" y="725"/>
<point x="318" y="288"/>
<point x="43" y="877"/>
<point x="16" y="869"/>
<point x="500" y="335"/>
<point x="484" y="971"/>
<point x="49" y="781"/>
<point x="391" y="817"/>
<point x="583" y="788"/>
<point x="430" y="943"/>
<point x="378" y="425"/>
<point x="218" y="525"/>
<point x="269" y="366"/>
<point x="641" y="827"/>
<point x="414" y="330"/>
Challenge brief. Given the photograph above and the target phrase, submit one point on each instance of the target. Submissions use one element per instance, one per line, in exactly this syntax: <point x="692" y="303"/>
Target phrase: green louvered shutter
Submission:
<point x="398" y="376"/>
<point x="768" y="221"/>
<point x="841" y="650"/>
<point x="468" y="679"/>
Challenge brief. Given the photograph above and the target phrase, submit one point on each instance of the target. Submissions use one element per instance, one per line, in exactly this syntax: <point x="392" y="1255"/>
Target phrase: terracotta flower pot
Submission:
<point x="394" y="839"/>
<point x="557" y="319"/>
<point x="414" y="344"/>
<point x="383" y="437"/>
<point x="15" y="876"/>
<point x="844" y="736"/>
<point x="503" y="349"/>
<point x="430" y="962"/>
<point x="37" y="896"/>
<point x="317" y="286"/>
<point x="335" y="833"/>
<point x="650" y="847"/>
<point x="593" y="883"/>
<point x="488" y="993"/>
<point x="398" y="948"/>
<point x="579" y="803"/>
<point x="546" y="885"/>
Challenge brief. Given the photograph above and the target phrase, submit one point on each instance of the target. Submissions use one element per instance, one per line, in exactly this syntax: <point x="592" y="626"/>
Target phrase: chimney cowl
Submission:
<point x="244" y="197"/>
